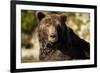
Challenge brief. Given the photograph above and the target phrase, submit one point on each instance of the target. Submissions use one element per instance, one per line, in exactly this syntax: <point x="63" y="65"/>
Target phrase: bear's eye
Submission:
<point x="58" y="25"/>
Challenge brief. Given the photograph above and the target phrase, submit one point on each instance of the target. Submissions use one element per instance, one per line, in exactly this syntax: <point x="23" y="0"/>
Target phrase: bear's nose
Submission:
<point x="53" y="35"/>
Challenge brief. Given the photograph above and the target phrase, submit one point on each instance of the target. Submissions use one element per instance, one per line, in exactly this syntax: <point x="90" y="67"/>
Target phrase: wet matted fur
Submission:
<point x="64" y="45"/>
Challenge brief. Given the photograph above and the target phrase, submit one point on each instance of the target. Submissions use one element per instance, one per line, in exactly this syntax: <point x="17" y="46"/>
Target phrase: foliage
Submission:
<point x="28" y="21"/>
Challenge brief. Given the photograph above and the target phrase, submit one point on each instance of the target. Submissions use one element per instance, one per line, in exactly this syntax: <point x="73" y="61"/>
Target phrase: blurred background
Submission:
<point x="79" y="22"/>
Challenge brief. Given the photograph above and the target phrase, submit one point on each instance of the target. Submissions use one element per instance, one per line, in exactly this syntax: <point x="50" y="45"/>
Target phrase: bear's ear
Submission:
<point x="63" y="19"/>
<point x="40" y="16"/>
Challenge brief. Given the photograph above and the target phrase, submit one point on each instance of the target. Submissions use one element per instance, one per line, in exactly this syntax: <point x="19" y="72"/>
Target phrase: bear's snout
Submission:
<point x="53" y="35"/>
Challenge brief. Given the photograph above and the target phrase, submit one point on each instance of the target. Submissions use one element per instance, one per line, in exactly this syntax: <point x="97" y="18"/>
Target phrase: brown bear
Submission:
<point x="58" y="41"/>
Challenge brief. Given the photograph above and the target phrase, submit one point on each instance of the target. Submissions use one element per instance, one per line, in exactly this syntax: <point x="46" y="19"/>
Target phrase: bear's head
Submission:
<point x="50" y="28"/>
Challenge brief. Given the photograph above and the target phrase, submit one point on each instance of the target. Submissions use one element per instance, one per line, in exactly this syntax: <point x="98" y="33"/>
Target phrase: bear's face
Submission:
<point x="51" y="26"/>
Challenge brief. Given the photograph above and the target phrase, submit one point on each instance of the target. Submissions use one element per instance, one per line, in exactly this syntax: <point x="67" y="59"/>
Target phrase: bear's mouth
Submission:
<point x="52" y="40"/>
<point x="51" y="44"/>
